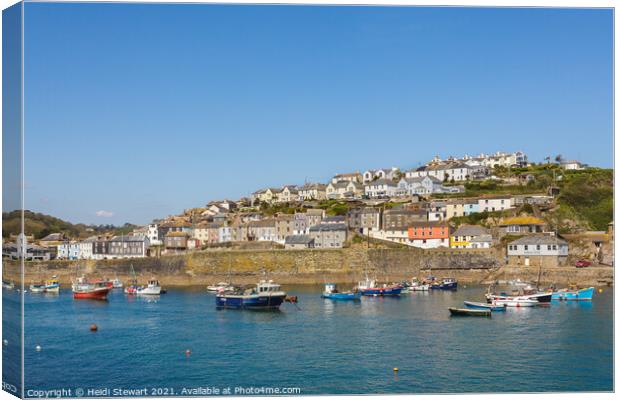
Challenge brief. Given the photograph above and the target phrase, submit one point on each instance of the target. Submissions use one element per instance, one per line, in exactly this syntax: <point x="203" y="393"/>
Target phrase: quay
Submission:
<point x="346" y="265"/>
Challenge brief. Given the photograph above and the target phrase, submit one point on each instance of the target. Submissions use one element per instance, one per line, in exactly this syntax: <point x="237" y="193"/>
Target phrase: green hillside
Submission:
<point x="41" y="225"/>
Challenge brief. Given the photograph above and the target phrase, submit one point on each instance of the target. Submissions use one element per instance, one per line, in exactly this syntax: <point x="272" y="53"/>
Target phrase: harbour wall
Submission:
<point x="311" y="267"/>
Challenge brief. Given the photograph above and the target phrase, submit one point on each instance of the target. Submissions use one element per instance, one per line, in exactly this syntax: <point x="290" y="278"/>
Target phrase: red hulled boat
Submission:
<point x="97" y="290"/>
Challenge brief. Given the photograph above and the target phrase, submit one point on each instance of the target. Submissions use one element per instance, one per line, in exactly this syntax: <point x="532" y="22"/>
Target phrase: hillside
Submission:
<point x="41" y="225"/>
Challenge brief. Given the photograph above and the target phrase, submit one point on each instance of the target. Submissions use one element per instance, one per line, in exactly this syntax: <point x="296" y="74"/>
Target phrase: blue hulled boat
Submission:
<point x="567" y="294"/>
<point x="331" y="292"/>
<point x="445" y="284"/>
<point x="485" y="306"/>
<point x="266" y="295"/>
<point x="369" y="287"/>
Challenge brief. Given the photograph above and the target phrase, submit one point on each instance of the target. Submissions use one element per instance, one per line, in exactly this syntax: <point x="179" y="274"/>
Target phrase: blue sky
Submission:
<point x="141" y="111"/>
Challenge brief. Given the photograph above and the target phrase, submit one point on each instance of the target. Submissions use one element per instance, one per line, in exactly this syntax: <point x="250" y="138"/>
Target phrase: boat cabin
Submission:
<point x="264" y="286"/>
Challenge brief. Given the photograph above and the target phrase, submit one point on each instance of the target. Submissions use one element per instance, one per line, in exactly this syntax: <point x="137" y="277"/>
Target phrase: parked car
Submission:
<point x="583" y="264"/>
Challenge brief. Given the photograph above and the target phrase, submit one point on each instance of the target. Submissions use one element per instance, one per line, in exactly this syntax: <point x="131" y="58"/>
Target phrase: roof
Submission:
<point x="470" y="230"/>
<point x="424" y="224"/>
<point x="125" y="238"/>
<point x="335" y="218"/>
<point x="328" y="227"/>
<point x="387" y="182"/>
<point x="404" y="211"/>
<point x="482" y="239"/>
<point x="313" y="186"/>
<point x="540" y="239"/>
<point x="524" y="220"/>
<point x="298" y="239"/>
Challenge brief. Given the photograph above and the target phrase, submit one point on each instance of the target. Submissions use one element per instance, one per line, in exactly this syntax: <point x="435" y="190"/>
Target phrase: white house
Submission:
<point x="349" y="177"/>
<point x="224" y="234"/>
<point x="383" y="173"/>
<point x="420" y="185"/>
<point x="288" y="194"/>
<point x="86" y="248"/>
<point x="380" y="188"/>
<point x="68" y="251"/>
<point x="344" y="190"/>
<point x="498" y="203"/>
<point x="312" y="191"/>
<point x="153" y="234"/>
<point x="572" y="165"/>
<point x="539" y="250"/>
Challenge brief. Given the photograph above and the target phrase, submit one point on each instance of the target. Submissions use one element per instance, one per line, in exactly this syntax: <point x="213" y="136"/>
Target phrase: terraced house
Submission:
<point x="471" y="237"/>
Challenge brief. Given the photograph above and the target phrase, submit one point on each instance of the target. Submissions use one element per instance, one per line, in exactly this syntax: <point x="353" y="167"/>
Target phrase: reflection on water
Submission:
<point x="322" y="346"/>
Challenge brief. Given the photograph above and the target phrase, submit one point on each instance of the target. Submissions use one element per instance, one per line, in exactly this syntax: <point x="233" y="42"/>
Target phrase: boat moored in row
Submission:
<point x="265" y="295"/>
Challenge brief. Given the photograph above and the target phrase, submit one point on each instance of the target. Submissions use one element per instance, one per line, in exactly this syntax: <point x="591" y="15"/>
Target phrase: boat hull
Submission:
<point x="342" y="296"/>
<point x="578" y="295"/>
<point x="517" y="302"/>
<point x="484" y="306"/>
<point x="387" y="291"/>
<point x="250" y="302"/>
<point x="469" y="312"/>
<point x="149" y="291"/>
<point x="445" y="286"/>
<point x="52" y="288"/>
<point x="97" y="294"/>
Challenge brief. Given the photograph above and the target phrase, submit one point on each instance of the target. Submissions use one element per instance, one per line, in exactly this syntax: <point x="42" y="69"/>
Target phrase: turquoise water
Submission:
<point x="322" y="347"/>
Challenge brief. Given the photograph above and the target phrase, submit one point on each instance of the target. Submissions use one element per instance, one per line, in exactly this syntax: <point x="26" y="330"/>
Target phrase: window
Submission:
<point x="555" y="247"/>
<point x="549" y="247"/>
<point x="537" y="247"/>
<point x="525" y="247"/>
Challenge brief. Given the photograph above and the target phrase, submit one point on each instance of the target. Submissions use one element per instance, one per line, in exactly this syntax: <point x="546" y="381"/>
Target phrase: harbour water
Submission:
<point x="319" y="346"/>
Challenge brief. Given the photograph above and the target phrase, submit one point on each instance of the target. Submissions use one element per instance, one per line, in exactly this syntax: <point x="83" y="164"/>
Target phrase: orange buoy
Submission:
<point x="93" y="328"/>
<point x="395" y="370"/>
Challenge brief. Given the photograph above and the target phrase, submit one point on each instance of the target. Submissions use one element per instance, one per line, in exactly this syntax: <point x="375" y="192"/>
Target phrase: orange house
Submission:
<point x="428" y="230"/>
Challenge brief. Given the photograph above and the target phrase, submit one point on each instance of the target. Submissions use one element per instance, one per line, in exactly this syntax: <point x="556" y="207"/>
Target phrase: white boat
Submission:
<point x="151" y="289"/>
<point x="366" y="284"/>
<point x="117" y="284"/>
<point x="516" y="302"/>
<point x="37" y="288"/>
<point x="220" y="287"/>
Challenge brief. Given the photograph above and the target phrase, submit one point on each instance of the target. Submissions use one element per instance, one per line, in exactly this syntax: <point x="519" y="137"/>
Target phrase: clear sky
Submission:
<point x="134" y="112"/>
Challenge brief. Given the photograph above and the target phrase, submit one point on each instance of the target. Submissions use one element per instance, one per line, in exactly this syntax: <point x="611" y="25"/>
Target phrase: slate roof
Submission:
<point x="470" y="230"/>
<point x="540" y="239"/>
<point x="298" y="239"/>
<point x="328" y="227"/>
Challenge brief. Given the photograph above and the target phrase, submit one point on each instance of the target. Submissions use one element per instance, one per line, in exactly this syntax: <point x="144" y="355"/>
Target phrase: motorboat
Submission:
<point x="52" y="285"/>
<point x="151" y="289"/>
<point x="332" y="292"/>
<point x="266" y="295"/>
<point x="97" y="290"/>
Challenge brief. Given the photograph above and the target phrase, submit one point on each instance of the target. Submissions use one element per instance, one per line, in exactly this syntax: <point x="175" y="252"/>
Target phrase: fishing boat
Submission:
<point x="264" y="296"/>
<point x="540" y="297"/>
<point x="151" y="289"/>
<point x="220" y="286"/>
<point x="97" y="290"/>
<point x="37" y="288"/>
<point x="484" y="306"/>
<point x="573" y="294"/>
<point x="332" y="292"/>
<point x="52" y="285"/>
<point x="516" y="302"/>
<point x="117" y="283"/>
<point x="469" y="312"/>
<point x="444" y="284"/>
<point x="8" y="285"/>
<point x="417" y="286"/>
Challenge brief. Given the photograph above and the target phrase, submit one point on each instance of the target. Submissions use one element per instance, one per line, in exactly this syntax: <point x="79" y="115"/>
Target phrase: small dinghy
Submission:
<point x="469" y="312"/>
<point x="485" y="306"/>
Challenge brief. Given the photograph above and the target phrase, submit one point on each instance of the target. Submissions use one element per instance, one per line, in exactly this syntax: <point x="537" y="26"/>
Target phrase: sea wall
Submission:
<point x="309" y="266"/>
